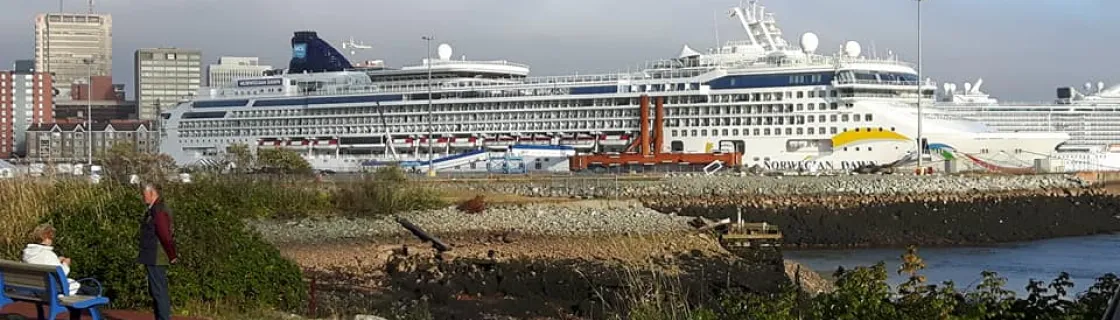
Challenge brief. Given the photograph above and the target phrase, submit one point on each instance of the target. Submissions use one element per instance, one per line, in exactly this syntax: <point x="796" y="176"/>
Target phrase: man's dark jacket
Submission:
<point x="157" y="245"/>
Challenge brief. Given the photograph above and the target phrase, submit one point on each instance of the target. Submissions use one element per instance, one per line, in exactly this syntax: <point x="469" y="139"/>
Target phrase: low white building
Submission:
<point x="229" y="69"/>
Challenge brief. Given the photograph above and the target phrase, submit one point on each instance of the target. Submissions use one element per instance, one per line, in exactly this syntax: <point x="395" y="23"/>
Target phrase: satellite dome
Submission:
<point x="809" y="42"/>
<point x="444" y="51"/>
<point x="967" y="87"/>
<point x="852" y="49"/>
<point x="947" y="87"/>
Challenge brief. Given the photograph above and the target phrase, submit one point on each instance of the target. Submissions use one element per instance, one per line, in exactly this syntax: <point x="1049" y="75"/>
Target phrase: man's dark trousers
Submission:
<point x="157" y="288"/>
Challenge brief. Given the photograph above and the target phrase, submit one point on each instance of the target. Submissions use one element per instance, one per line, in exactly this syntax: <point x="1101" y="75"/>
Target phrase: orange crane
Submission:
<point x="649" y="147"/>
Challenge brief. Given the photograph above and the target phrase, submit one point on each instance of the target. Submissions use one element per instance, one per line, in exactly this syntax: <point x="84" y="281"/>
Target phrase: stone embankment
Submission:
<point x="945" y="219"/>
<point x="583" y="218"/>
<point x="725" y="185"/>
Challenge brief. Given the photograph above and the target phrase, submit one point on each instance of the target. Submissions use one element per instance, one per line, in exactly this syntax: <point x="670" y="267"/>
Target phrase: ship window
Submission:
<point x="855" y="118"/>
<point x="674" y="133"/>
<point x="800" y="106"/>
<point x="832" y="130"/>
<point x="756" y="131"/>
<point x="833" y="95"/>
<point x="892" y="128"/>
<point x="867" y="117"/>
<point x="834" y="105"/>
<point x="857" y="148"/>
<point x="800" y="131"/>
<point x="811" y="118"/>
<point x="735" y="132"/>
<point x="789" y="131"/>
<point x="844" y="118"/>
<point x="694" y="132"/>
<point x="810" y="131"/>
<point x="766" y="132"/>
<point x="704" y="132"/>
<point x="832" y="118"/>
<point x="800" y="94"/>
<point x="724" y="132"/>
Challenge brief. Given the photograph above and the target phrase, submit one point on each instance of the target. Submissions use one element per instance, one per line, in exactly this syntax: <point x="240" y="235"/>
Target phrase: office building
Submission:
<point x="229" y="69"/>
<point x="66" y="141"/>
<point x="102" y="89"/>
<point x="99" y="110"/>
<point x="25" y="99"/>
<point x="164" y="77"/>
<point x="65" y="41"/>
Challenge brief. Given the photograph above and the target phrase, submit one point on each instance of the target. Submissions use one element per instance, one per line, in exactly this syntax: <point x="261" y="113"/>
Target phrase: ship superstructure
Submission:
<point x="1091" y="117"/>
<point x="782" y="107"/>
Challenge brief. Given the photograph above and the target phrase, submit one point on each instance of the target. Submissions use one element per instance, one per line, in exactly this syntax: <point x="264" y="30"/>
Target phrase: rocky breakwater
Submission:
<point x="924" y="219"/>
<point x="544" y="219"/>
<point x="727" y="185"/>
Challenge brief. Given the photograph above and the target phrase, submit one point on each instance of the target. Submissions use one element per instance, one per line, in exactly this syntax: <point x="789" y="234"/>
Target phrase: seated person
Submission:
<point x="40" y="251"/>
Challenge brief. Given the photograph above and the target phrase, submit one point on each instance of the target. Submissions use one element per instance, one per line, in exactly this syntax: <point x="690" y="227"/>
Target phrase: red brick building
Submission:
<point x="103" y="89"/>
<point x="26" y="98"/>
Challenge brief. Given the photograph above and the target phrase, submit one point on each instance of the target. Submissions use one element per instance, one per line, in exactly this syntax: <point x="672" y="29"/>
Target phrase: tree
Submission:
<point x="282" y="161"/>
<point x="123" y="160"/>
<point x="240" y="156"/>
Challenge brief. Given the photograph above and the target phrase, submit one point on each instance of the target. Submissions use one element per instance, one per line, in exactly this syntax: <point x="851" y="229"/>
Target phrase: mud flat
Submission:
<point x="513" y="262"/>
<point x="946" y="219"/>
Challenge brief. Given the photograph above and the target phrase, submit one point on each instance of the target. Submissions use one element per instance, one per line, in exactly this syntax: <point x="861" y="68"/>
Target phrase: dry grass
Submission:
<point x="23" y="203"/>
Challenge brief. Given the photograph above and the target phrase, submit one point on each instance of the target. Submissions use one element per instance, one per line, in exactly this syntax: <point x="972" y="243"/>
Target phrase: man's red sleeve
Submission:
<point x="163" y="231"/>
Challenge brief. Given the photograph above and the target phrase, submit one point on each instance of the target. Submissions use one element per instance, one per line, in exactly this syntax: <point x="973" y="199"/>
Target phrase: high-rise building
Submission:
<point x="25" y="99"/>
<point x="71" y="46"/>
<point x="164" y="77"/>
<point x="229" y="69"/>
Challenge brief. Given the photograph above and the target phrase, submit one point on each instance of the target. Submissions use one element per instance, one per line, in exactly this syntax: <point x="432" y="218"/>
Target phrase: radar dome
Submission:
<point x="967" y="87"/>
<point x="1088" y="86"/>
<point x="852" y="49"/>
<point x="809" y="42"/>
<point x="953" y="87"/>
<point x="946" y="86"/>
<point x="444" y="51"/>
<point x="1100" y="86"/>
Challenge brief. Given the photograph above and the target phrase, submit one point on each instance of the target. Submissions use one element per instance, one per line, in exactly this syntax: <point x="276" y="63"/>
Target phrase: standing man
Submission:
<point x="157" y="250"/>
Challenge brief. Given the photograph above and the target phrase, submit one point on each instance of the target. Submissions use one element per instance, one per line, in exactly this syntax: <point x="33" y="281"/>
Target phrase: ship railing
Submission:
<point x="883" y="82"/>
<point x="493" y="62"/>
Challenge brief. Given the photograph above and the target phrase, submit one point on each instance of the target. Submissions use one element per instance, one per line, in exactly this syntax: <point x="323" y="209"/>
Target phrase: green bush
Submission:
<point x="384" y="192"/>
<point x="252" y="198"/>
<point x="219" y="259"/>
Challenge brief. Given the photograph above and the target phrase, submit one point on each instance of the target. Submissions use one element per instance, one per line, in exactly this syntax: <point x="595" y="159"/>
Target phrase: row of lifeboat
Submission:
<point x="581" y="142"/>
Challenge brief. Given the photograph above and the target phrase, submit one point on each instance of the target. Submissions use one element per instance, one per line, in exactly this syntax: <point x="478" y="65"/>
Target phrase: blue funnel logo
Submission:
<point x="299" y="50"/>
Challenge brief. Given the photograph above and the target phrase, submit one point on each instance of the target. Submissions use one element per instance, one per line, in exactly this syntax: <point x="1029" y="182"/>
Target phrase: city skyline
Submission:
<point x="1022" y="51"/>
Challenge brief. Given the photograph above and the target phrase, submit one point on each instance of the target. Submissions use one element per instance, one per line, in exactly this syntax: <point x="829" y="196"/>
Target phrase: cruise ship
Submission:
<point x="1091" y="117"/>
<point x="778" y="106"/>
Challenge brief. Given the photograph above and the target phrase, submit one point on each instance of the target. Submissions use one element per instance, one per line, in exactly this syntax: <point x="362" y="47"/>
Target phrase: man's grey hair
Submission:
<point x="154" y="187"/>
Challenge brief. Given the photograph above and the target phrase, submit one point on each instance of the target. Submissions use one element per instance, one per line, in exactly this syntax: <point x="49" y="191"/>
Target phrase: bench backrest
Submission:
<point x="27" y="281"/>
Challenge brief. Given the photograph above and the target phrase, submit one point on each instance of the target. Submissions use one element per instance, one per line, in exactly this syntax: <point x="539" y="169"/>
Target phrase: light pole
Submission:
<point x="921" y="150"/>
<point x="89" y="113"/>
<point x="431" y="166"/>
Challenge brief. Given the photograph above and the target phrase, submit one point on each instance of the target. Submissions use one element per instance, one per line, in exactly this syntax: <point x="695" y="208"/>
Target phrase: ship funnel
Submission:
<point x="312" y="54"/>
<point x="976" y="87"/>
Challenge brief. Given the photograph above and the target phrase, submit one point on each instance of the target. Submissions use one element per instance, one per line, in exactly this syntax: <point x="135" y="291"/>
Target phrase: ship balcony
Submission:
<point x="847" y="83"/>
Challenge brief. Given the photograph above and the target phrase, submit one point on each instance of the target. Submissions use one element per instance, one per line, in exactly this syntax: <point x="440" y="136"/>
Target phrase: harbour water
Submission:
<point x="1084" y="258"/>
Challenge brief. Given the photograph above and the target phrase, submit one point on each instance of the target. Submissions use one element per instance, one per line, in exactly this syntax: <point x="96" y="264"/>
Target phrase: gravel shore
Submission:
<point x="693" y="186"/>
<point x="551" y="219"/>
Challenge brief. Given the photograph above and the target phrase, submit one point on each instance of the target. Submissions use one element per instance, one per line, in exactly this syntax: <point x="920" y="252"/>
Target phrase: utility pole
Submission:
<point x="921" y="149"/>
<point x="89" y="111"/>
<point x="431" y="166"/>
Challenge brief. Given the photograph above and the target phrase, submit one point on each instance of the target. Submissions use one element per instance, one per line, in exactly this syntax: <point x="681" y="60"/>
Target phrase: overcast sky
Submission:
<point x="1023" y="49"/>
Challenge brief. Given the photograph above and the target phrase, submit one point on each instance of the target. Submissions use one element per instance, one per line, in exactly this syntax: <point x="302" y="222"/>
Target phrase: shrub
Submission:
<point x="220" y="260"/>
<point x="251" y="198"/>
<point x="474" y="205"/>
<point x="384" y="192"/>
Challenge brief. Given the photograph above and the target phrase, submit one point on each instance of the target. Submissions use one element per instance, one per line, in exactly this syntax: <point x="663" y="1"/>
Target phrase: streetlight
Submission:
<point x="431" y="166"/>
<point x="89" y="113"/>
<point x="921" y="149"/>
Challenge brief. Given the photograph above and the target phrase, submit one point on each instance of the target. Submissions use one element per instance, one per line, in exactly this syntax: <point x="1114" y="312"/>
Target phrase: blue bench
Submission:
<point x="46" y="286"/>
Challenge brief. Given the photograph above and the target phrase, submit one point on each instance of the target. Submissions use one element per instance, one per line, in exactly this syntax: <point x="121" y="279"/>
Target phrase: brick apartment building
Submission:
<point x="26" y="98"/>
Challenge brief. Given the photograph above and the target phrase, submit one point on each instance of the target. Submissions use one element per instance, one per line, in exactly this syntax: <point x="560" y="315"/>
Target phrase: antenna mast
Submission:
<point x="90" y="6"/>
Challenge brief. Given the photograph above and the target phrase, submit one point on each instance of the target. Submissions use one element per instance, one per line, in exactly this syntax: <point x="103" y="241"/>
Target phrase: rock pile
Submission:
<point x="703" y="186"/>
<point x="553" y="219"/>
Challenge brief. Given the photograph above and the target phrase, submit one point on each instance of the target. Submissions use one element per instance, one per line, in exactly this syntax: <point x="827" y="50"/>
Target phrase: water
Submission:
<point x="1084" y="258"/>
